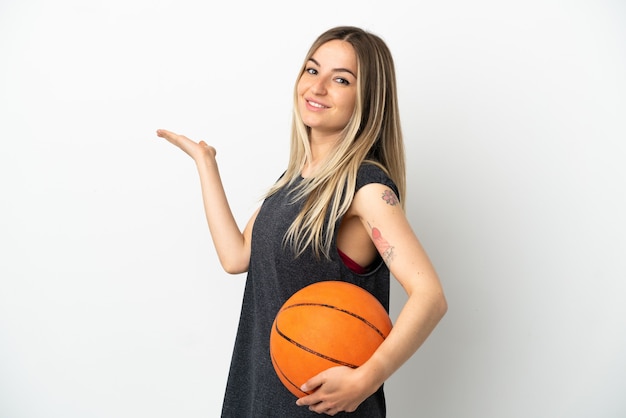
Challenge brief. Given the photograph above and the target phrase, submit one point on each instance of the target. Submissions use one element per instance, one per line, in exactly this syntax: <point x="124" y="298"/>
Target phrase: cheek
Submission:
<point x="352" y="101"/>
<point x="348" y="108"/>
<point x="301" y="87"/>
<point x="348" y="101"/>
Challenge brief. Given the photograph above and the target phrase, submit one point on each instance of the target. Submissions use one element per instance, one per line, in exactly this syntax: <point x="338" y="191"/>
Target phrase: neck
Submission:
<point x="321" y="147"/>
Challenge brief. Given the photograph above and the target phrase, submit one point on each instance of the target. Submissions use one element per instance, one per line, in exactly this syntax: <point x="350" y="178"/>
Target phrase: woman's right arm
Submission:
<point x="232" y="245"/>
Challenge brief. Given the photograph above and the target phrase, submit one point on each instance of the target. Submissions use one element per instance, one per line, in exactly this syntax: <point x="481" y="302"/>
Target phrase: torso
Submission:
<point x="253" y="388"/>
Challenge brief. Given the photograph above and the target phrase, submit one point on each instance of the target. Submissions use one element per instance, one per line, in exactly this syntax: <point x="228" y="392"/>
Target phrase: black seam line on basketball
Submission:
<point x="315" y="353"/>
<point x="285" y="376"/>
<point x="368" y="323"/>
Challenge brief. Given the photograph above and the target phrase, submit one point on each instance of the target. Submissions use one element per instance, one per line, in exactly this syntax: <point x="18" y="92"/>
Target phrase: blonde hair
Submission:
<point x="372" y="135"/>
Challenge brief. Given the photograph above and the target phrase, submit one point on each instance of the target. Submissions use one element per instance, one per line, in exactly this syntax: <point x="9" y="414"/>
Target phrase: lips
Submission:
<point x="316" y="105"/>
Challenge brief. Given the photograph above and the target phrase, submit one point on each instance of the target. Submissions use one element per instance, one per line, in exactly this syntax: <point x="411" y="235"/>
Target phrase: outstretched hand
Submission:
<point x="196" y="150"/>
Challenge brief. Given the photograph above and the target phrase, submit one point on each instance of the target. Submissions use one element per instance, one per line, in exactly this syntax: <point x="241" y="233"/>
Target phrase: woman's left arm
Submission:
<point x="382" y="215"/>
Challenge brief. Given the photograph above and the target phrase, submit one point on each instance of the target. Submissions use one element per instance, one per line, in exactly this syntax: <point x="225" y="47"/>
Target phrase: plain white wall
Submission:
<point x="112" y="301"/>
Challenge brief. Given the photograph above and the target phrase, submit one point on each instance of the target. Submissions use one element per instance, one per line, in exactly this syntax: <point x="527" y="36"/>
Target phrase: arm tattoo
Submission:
<point x="389" y="197"/>
<point x="383" y="247"/>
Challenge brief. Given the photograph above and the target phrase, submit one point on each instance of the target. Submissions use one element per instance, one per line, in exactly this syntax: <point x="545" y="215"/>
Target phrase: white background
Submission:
<point x="112" y="301"/>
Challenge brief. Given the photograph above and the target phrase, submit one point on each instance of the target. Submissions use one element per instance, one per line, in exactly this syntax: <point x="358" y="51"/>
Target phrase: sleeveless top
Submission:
<point x="253" y="389"/>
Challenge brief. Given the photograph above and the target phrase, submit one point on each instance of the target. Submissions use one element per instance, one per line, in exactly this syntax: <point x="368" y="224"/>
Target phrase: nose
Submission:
<point x="319" y="86"/>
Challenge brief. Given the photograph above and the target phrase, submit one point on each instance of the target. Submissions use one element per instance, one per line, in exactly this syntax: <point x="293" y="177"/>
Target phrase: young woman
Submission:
<point x="334" y="214"/>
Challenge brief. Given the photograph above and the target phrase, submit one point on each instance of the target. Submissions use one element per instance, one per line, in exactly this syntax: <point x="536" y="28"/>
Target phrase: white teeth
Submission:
<point x="316" y="104"/>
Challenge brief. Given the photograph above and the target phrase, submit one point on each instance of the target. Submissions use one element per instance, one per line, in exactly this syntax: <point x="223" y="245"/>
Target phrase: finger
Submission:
<point x="313" y="383"/>
<point x="309" y="400"/>
<point x="319" y="409"/>
<point x="170" y="136"/>
<point x="164" y="133"/>
<point x="313" y="399"/>
<point x="180" y="141"/>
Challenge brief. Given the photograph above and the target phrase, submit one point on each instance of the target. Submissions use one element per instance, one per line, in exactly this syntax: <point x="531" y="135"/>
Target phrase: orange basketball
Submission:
<point x="326" y="324"/>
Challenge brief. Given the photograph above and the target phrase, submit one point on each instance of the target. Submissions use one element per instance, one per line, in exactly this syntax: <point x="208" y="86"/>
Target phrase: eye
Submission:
<point x="311" y="71"/>
<point x="342" y="81"/>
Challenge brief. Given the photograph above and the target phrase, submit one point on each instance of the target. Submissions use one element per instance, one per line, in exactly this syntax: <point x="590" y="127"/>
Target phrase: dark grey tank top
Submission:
<point x="253" y="390"/>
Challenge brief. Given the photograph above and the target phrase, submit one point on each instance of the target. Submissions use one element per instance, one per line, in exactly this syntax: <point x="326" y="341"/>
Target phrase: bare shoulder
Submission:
<point x="374" y="198"/>
<point x="382" y="215"/>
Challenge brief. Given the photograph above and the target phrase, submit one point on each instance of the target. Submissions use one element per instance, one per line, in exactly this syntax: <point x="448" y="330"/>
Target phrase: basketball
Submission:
<point x="323" y="325"/>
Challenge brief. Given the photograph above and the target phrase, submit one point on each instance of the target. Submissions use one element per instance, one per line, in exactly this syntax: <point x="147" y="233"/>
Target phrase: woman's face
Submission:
<point x="327" y="89"/>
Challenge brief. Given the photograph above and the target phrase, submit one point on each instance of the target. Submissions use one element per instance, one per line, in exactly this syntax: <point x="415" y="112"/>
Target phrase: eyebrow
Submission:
<point x="345" y="70"/>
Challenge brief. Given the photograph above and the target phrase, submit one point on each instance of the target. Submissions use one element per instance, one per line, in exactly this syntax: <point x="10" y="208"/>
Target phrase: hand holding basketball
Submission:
<point x="322" y="326"/>
<point x="334" y="390"/>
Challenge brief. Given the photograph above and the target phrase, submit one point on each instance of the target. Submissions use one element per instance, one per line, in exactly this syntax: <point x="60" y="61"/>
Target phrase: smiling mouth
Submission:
<point x="316" y="105"/>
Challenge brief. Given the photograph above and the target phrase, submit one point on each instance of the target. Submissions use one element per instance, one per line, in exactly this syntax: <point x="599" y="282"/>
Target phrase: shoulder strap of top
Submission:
<point x="370" y="173"/>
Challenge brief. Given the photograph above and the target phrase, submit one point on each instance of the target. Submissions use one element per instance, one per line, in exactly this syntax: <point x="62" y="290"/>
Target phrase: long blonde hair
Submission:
<point x="372" y="135"/>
